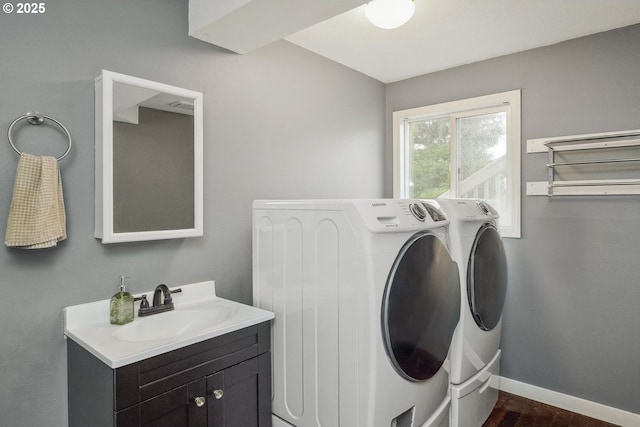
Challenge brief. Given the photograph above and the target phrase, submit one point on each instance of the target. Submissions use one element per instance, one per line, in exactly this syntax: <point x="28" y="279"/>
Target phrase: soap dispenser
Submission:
<point x="121" y="307"/>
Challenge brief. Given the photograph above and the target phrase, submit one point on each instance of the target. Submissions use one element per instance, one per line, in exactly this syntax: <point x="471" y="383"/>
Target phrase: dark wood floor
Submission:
<point x="516" y="411"/>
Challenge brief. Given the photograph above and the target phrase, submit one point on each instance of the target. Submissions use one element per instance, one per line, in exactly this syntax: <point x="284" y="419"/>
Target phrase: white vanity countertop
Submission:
<point x="88" y="325"/>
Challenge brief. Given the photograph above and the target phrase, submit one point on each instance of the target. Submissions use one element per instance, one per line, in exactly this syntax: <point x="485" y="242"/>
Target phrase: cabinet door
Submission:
<point x="240" y="395"/>
<point x="175" y="408"/>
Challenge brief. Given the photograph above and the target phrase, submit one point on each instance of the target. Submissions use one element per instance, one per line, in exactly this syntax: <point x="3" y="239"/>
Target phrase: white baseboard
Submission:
<point x="569" y="403"/>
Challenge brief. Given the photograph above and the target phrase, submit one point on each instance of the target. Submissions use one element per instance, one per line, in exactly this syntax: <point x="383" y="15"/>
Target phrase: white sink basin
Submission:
<point x="173" y="324"/>
<point x="199" y="315"/>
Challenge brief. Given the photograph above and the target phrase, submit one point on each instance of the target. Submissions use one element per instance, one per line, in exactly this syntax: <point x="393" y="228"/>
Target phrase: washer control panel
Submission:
<point x="399" y="214"/>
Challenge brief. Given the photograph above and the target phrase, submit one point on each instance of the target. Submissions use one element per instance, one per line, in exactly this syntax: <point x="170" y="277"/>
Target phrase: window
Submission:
<point x="467" y="149"/>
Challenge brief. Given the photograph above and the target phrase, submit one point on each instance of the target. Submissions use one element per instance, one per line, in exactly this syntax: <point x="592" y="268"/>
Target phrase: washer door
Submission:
<point x="421" y="307"/>
<point x="487" y="278"/>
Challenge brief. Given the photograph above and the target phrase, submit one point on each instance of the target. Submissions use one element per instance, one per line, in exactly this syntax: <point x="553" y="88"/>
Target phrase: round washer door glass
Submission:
<point x="487" y="278"/>
<point x="421" y="307"/>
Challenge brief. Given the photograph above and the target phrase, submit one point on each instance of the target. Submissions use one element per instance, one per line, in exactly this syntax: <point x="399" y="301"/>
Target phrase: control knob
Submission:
<point x="418" y="211"/>
<point x="483" y="208"/>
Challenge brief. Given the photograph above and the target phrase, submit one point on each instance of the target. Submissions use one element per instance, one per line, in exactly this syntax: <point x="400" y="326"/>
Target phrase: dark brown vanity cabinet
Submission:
<point x="221" y="382"/>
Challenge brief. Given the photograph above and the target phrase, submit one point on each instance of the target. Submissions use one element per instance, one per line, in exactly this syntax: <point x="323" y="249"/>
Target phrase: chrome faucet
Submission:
<point x="162" y="292"/>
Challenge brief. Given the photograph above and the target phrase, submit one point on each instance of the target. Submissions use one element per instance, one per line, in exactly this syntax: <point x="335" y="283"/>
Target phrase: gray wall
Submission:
<point x="279" y="123"/>
<point x="571" y="321"/>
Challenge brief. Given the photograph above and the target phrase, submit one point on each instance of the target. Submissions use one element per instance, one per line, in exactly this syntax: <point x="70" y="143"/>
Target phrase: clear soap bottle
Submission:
<point x="121" y="307"/>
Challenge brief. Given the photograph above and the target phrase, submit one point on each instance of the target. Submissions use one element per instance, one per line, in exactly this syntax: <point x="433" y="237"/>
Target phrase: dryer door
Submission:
<point x="487" y="278"/>
<point x="421" y="307"/>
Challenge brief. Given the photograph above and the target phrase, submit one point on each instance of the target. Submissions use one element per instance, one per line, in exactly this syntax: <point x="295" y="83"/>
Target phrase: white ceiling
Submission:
<point x="442" y="34"/>
<point x="447" y="33"/>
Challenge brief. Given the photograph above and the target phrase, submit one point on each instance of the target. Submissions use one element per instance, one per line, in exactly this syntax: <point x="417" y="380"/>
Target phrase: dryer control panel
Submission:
<point x="470" y="209"/>
<point x="392" y="215"/>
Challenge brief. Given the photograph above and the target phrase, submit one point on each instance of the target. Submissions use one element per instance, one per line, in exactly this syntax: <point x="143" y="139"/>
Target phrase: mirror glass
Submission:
<point x="149" y="160"/>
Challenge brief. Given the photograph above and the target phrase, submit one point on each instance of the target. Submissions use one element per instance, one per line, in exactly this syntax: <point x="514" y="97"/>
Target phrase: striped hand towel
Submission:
<point x="36" y="218"/>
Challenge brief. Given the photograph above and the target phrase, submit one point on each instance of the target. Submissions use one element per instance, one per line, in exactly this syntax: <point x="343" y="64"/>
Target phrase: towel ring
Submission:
<point x="36" y="118"/>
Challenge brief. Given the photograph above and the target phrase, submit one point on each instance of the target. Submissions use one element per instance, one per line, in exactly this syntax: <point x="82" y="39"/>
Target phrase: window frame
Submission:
<point x="509" y="101"/>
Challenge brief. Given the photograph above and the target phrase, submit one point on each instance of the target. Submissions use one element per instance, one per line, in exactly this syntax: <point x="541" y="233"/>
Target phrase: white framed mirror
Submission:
<point x="149" y="182"/>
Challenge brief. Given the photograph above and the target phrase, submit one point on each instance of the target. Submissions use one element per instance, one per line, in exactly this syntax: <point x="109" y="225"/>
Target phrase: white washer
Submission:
<point x="366" y="300"/>
<point x="477" y="247"/>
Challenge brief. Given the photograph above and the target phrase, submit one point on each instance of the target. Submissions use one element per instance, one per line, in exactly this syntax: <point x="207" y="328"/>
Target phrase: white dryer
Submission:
<point x="366" y="300"/>
<point x="477" y="247"/>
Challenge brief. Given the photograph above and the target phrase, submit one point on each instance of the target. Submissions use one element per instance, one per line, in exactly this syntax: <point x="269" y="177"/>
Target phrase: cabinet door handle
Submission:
<point x="218" y="394"/>
<point x="199" y="401"/>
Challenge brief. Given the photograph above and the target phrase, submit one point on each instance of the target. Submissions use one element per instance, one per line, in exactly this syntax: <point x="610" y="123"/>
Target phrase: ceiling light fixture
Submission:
<point x="389" y="14"/>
